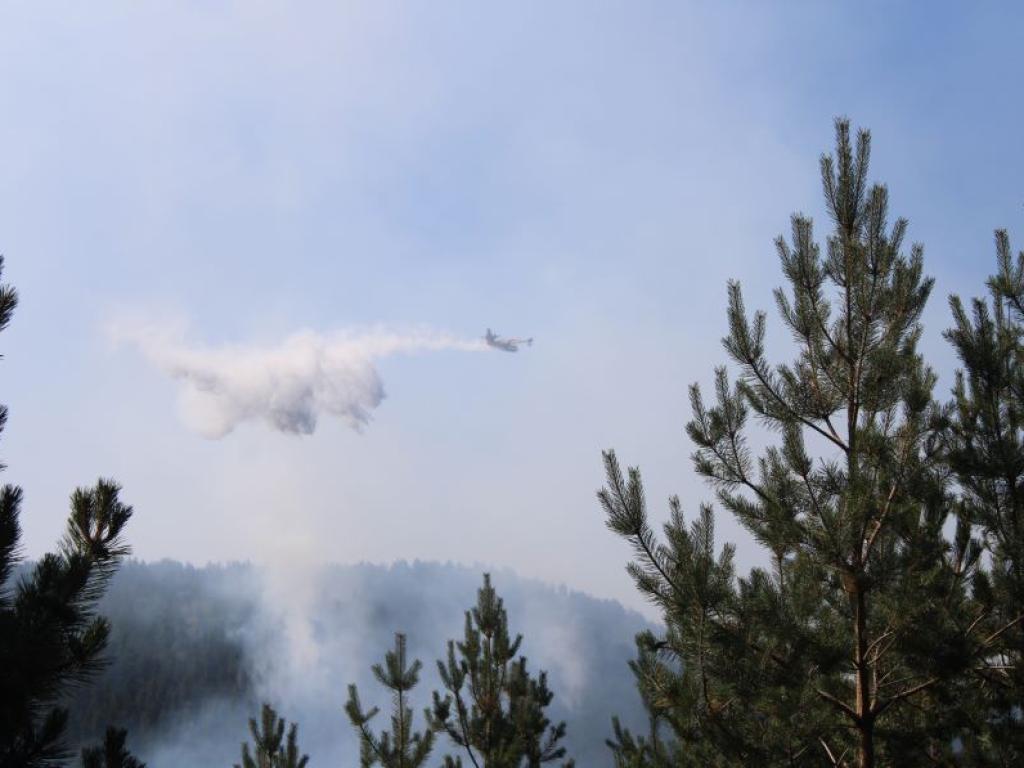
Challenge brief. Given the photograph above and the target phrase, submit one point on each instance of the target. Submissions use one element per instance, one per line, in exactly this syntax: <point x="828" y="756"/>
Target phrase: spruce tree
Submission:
<point x="401" y="747"/>
<point x="986" y="455"/>
<point x="839" y="650"/>
<point x="492" y="707"/>
<point x="270" y="748"/>
<point x="50" y="636"/>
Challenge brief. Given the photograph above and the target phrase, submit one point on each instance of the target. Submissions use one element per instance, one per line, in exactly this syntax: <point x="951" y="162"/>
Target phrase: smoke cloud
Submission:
<point x="290" y="385"/>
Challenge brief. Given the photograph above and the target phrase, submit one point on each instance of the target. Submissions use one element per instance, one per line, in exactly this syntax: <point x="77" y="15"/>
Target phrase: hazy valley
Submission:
<point x="195" y="650"/>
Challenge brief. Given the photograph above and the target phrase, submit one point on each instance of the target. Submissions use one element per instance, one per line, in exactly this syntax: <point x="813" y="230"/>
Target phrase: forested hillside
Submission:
<point x="194" y="650"/>
<point x="176" y="645"/>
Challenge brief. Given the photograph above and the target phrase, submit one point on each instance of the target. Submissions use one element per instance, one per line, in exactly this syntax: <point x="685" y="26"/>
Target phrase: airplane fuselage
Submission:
<point x="505" y="345"/>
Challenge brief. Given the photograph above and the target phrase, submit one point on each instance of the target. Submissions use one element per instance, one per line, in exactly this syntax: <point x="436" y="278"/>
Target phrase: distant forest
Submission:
<point x="194" y="650"/>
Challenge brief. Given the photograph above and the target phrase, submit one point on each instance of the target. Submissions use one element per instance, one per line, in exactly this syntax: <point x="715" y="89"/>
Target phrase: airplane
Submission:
<point x="505" y="345"/>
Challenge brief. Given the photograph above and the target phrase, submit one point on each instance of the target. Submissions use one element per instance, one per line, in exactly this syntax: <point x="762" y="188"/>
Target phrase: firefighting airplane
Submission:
<point x="505" y="345"/>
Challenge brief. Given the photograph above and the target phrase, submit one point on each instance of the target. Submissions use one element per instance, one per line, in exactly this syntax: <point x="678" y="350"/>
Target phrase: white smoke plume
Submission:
<point x="289" y="385"/>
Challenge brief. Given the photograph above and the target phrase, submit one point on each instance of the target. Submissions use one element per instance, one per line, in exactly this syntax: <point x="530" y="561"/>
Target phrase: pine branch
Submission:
<point x="988" y="640"/>
<point x="842" y="705"/>
<point x="903" y="695"/>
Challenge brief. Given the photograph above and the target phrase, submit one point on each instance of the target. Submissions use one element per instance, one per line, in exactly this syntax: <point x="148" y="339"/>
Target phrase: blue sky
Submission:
<point x="587" y="173"/>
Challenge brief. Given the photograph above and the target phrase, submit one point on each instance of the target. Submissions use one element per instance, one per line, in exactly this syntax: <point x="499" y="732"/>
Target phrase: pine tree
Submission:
<point x="986" y="454"/>
<point x="498" y="717"/>
<point x="270" y="748"/>
<point x="50" y="636"/>
<point x="838" y="651"/>
<point x="401" y="747"/>
<point x="112" y="754"/>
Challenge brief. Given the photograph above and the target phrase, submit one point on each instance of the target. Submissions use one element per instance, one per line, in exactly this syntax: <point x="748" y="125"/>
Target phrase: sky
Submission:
<point x="230" y="177"/>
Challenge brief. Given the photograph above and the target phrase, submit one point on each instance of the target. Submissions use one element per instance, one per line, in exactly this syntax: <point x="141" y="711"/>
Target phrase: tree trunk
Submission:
<point x="866" y="748"/>
<point x="865" y="718"/>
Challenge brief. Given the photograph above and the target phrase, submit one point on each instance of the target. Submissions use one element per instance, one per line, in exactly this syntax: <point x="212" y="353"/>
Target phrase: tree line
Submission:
<point x="193" y="647"/>
<point x="888" y="628"/>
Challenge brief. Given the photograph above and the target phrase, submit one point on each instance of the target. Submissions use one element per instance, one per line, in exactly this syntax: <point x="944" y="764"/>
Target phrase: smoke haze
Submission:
<point x="194" y="652"/>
